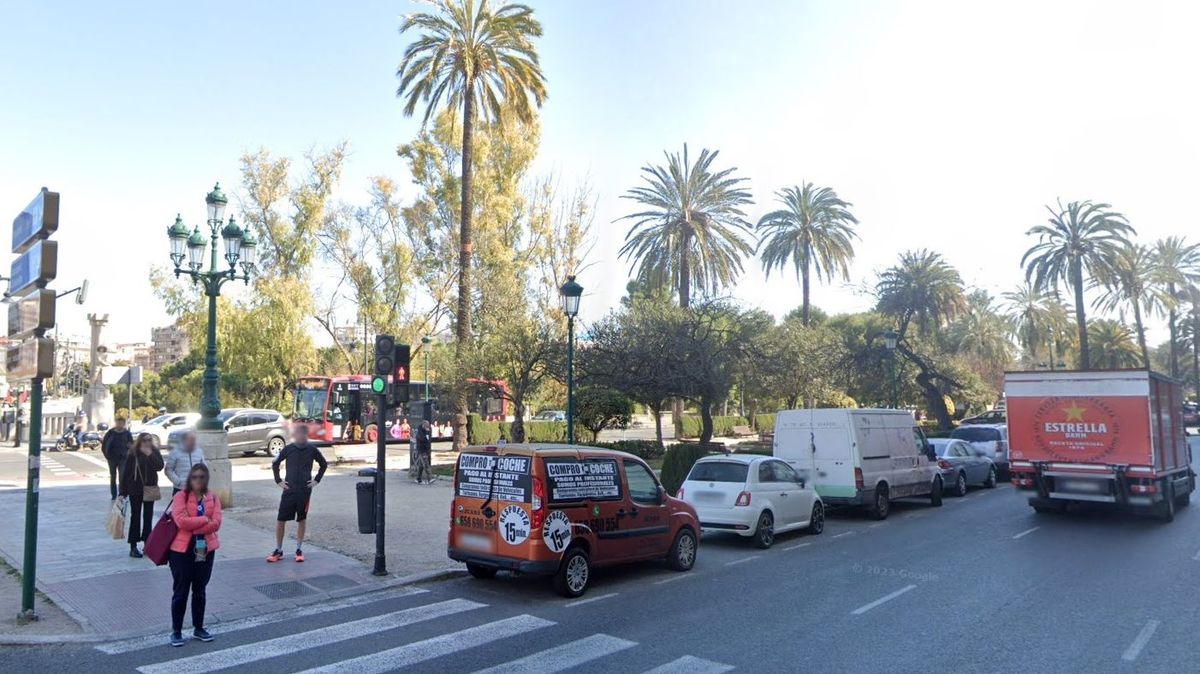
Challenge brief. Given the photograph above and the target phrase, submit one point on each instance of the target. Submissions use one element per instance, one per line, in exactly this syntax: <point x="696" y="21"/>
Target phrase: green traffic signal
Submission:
<point x="378" y="384"/>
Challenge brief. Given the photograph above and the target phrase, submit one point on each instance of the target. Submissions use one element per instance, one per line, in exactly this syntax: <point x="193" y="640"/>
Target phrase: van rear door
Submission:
<point x="492" y="496"/>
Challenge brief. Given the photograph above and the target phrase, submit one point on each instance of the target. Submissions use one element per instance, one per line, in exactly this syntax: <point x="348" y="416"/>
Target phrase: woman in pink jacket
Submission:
<point x="197" y="513"/>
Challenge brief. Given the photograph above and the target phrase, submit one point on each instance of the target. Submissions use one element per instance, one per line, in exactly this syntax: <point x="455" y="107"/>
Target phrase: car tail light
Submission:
<point x="539" y="499"/>
<point x="743" y="499"/>
<point x="858" y="478"/>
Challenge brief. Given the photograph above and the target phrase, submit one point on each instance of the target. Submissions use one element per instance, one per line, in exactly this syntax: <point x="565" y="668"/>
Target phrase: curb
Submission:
<point x="423" y="577"/>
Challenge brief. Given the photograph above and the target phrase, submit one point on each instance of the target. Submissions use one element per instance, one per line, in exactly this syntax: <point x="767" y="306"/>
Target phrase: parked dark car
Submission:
<point x="1191" y="416"/>
<point x="989" y="417"/>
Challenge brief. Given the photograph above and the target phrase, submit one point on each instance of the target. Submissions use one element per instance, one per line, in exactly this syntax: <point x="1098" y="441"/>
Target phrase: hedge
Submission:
<point x="764" y="422"/>
<point x="722" y="426"/>
<point x="480" y="432"/>
<point x="647" y="450"/>
<point x="678" y="462"/>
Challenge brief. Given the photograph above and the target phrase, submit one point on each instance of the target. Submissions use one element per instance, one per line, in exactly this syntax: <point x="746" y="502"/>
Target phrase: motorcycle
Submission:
<point x="68" y="441"/>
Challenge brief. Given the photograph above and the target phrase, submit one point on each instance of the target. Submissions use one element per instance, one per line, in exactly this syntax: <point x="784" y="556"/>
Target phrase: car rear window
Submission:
<point x="501" y="478"/>
<point x="973" y="434"/>
<point x="719" y="471"/>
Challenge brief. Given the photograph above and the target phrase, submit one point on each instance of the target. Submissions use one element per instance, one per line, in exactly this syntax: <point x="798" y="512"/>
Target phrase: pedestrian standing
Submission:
<point x="180" y="461"/>
<point x="424" y="453"/>
<point x="115" y="448"/>
<point x="197" y="513"/>
<point x="139" y="483"/>
<point x="297" y="485"/>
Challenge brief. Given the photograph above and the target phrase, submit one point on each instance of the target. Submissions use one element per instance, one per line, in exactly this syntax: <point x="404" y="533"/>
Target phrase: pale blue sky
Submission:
<point x="947" y="124"/>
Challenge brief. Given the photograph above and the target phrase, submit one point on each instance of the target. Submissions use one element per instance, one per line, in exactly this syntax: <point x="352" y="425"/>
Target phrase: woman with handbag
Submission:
<point x="139" y="483"/>
<point x="197" y="513"/>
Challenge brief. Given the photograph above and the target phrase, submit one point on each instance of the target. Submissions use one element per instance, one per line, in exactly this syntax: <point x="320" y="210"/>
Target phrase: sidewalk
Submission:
<point x="92" y="578"/>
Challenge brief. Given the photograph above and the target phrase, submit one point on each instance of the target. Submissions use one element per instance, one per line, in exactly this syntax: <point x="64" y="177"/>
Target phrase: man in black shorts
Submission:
<point x="297" y="486"/>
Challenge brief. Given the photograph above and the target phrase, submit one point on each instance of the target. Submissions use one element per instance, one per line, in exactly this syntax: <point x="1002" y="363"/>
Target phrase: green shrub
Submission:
<point x="536" y="431"/>
<point x="646" y="450"/>
<point x="722" y="426"/>
<point x="678" y="461"/>
<point x="480" y="432"/>
<point x="764" y="422"/>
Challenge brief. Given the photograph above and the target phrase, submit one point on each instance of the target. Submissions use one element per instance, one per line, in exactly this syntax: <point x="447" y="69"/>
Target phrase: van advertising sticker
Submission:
<point x="556" y="531"/>
<point x="574" y="480"/>
<point x="514" y="525"/>
<point x="502" y="478"/>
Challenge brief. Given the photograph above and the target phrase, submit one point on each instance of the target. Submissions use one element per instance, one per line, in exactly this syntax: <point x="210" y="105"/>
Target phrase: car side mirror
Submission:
<point x="800" y="481"/>
<point x="662" y="494"/>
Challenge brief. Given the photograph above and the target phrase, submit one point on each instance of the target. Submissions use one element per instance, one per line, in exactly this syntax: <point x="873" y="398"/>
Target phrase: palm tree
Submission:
<point x="1035" y="316"/>
<point x="691" y="231"/>
<point x="1113" y="345"/>
<point x="1079" y="239"/>
<point x="814" y="230"/>
<point x="983" y="332"/>
<point x="1130" y="281"/>
<point x="1177" y="266"/>
<point x="471" y="54"/>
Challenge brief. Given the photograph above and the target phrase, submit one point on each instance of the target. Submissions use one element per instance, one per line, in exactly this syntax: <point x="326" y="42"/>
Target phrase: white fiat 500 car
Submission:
<point x="752" y="496"/>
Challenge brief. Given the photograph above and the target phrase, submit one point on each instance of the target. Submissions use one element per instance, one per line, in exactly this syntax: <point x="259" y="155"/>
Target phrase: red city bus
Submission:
<point x="341" y="409"/>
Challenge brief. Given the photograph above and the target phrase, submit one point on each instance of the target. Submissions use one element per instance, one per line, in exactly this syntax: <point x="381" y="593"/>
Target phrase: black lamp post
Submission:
<point x="571" y="292"/>
<point x="890" y="340"/>
<point x="425" y="342"/>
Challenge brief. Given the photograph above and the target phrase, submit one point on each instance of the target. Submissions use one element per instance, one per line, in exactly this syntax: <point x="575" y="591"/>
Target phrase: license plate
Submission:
<point x="1082" y="486"/>
<point x="474" y="542"/>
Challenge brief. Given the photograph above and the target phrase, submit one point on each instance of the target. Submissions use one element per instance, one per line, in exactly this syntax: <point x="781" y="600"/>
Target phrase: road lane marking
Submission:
<point x="797" y="546"/>
<point x="262" y="650"/>
<point x="882" y="600"/>
<point x="1196" y="556"/>
<point x="1135" y="649"/>
<point x="561" y="658"/>
<point x="690" y="664"/>
<point x="877" y="524"/>
<point x="844" y="533"/>
<point x="91" y="459"/>
<point x="743" y="559"/>
<point x="672" y="579"/>
<point x="436" y="647"/>
<point x="1026" y="533"/>
<point x="589" y="600"/>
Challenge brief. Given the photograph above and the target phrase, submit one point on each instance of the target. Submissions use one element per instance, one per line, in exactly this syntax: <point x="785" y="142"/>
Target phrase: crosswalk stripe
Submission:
<point x="262" y="650"/>
<point x="436" y="647"/>
<point x="689" y="664"/>
<point x="156" y="640"/>
<point x="563" y="657"/>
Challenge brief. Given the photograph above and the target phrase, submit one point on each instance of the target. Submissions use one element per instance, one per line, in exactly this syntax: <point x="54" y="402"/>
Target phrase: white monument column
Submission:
<point x="98" y="403"/>
<point x="220" y="468"/>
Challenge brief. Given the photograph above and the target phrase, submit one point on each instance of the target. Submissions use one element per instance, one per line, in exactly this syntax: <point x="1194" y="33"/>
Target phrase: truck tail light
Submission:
<point x="743" y="499"/>
<point x="858" y="478"/>
<point x="943" y="464"/>
<point x="539" y="500"/>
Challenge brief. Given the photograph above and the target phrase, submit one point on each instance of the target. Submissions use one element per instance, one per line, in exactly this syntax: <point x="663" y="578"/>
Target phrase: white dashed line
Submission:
<point x="1143" y="637"/>
<point x="1026" y="533"/>
<point x="580" y="602"/>
<point x="1196" y="557"/>
<point x="844" y="533"/>
<point x="797" y="546"/>
<point x="882" y="600"/>
<point x="672" y="579"/>
<point x="743" y="559"/>
<point x="877" y="524"/>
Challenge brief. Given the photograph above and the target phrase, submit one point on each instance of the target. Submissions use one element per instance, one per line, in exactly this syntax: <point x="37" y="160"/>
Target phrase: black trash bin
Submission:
<point x="365" y="491"/>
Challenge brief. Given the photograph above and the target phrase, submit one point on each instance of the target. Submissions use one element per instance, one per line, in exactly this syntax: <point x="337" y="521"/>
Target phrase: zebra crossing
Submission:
<point x="56" y="468"/>
<point x="454" y="634"/>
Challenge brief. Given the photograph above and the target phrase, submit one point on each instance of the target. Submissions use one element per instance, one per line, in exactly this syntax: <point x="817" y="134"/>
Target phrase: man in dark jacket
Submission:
<point x="424" y="453"/>
<point x="297" y="484"/>
<point x="115" y="447"/>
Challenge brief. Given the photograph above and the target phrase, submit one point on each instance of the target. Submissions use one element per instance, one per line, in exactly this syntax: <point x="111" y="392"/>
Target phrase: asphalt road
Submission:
<point x="982" y="584"/>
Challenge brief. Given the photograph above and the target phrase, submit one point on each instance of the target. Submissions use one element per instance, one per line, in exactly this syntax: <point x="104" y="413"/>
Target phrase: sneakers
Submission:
<point x="275" y="556"/>
<point x="177" y="639"/>
<point x="299" y="555"/>
<point x="202" y="634"/>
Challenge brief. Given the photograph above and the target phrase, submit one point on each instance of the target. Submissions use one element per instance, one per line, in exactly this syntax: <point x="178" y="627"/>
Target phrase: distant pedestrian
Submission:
<point x="424" y="453"/>
<point x="197" y="513"/>
<point x="139" y="483"/>
<point x="181" y="459"/>
<point x="115" y="448"/>
<point x="297" y="485"/>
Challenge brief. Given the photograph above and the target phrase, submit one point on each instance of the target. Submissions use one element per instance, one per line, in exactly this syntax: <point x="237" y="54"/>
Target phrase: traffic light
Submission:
<point x="401" y="373"/>
<point x="385" y="352"/>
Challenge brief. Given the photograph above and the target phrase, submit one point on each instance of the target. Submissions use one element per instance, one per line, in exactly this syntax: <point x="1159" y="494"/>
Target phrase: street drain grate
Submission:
<point x="287" y="590"/>
<point x="330" y="583"/>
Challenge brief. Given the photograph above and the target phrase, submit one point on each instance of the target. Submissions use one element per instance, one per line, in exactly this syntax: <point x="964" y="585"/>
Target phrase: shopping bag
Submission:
<point x="158" y="546"/>
<point x="115" y="526"/>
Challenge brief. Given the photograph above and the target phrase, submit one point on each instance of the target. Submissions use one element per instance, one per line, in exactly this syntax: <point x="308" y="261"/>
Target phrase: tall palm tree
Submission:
<point x="1078" y="240"/>
<point x="983" y="332"/>
<point x="691" y="231"/>
<point x="1177" y="266"/>
<point x="1129" y="282"/>
<point x="1035" y="315"/>
<point x="1113" y="345"/>
<point x="815" y="230"/>
<point x="472" y="54"/>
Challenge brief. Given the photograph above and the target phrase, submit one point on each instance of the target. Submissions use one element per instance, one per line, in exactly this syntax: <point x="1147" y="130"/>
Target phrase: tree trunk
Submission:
<point x="657" y="412"/>
<point x="517" y="430"/>
<point x="804" y="281"/>
<point x="1141" y="334"/>
<point x="706" y="422"/>
<point x="462" y="328"/>
<point x="1076" y="273"/>
<point x="935" y="400"/>
<point x="1173" y="329"/>
<point x="685" y="272"/>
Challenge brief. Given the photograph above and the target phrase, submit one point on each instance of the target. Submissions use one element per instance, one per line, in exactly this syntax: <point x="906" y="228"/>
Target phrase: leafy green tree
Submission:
<point x="1129" y="283"/>
<point x="1035" y="315"/>
<point x="1176" y="269"/>
<point x="1078" y="240"/>
<point x="815" y="230"/>
<point x="598" y="408"/>
<point x="523" y="353"/>
<point x="1113" y="345"/>
<point x="982" y="337"/>
<point x="691" y="230"/>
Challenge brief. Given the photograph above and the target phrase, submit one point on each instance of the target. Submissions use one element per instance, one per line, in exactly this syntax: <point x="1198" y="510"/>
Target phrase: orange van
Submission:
<point x="559" y="510"/>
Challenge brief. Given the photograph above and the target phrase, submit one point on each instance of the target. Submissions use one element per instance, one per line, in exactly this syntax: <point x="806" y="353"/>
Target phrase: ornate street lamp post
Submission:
<point x="571" y="292"/>
<point x="425" y="342"/>
<point x="890" y="340"/>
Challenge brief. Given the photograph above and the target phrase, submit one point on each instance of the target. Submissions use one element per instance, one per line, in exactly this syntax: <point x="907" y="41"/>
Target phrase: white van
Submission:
<point x="861" y="457"/>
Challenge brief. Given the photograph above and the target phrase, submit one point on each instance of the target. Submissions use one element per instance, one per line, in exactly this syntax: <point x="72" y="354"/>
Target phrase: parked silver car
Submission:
<point x="249" y="431"/>
<point x="989" y="439"/>
<point x="962" y="465"/>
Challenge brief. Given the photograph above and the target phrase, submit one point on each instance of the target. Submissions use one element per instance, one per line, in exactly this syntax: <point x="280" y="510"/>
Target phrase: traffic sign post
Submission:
<point x="384" y="350"/>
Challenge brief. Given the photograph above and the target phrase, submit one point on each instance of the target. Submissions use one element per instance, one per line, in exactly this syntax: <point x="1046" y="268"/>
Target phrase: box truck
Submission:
<point x="1113" y="436"/>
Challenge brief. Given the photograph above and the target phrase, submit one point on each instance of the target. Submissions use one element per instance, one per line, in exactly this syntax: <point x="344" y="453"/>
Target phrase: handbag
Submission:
<point x="150" y="492"/>
<point x="158" y="545"/>
<point x="115" y="524"/>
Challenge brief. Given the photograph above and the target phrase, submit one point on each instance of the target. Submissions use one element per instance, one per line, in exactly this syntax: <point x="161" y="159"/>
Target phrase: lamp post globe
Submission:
<point x="216" y="201"/>
<point x="891" y="340"/>
<point x="195" y="245"/>
<point x="570" y="293"/>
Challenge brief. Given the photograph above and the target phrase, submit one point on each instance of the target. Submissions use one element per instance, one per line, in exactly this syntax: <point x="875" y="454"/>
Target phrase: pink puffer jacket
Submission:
<point x="183" y="511"/>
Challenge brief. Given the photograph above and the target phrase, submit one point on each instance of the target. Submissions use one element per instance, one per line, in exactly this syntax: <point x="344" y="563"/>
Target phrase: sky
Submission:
<point x="948" y="125"/>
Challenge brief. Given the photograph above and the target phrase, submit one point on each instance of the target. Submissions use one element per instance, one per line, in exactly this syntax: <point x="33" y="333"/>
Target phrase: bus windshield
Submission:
<point x="310" y="404"/>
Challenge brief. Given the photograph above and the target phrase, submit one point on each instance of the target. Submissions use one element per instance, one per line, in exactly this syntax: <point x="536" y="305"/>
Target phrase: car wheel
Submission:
<point x="481" y="572"/>
<point x="816" y="522"/>
<point x="764" y="533"/>
<point x="960" y="485"/>
<point x="935" y="496"/>
<point x="882" y="505"/>
<point x="990" y="482"/>
<point x="682" y="556"/>
<point x="574" y="573"/>
<point x="249" y="453"/>
<point x="274" y="446"/>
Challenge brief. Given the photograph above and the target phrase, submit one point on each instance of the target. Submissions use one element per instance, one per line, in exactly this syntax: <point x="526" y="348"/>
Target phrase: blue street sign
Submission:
<point x="36" y="266"/>
<point x="38" y="221"/>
